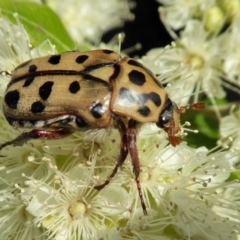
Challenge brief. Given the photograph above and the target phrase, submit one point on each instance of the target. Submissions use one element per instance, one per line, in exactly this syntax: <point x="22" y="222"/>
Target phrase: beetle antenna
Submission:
<point x="195" y="106"/>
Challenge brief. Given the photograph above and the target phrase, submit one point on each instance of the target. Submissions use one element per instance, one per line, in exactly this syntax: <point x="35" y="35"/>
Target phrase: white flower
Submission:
<point x="52" y="183"/>
<point x="15" y="222"/>
<point x="197" y="61"/>
<point x="193" y="196"/>
<point x="69" y="207"/>
<point x="230" y="126"/>
<point x="179" y="186"/>
<point x="231" y="61"/>
<point x="15" y="44"/>
<point x="186" y="186"/>
<point x="90" y="19"/>
<point x="230" y="133"/>
<point x="176" y="13"/>
<point x="15" y="48"/>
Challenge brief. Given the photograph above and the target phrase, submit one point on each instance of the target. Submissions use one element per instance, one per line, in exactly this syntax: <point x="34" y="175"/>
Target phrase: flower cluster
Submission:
<point x="78" y="17"/>
<point x="47" y="187"/>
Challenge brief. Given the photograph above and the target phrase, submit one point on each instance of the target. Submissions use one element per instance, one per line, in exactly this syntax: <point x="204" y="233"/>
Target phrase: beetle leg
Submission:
<point x="128" y="144"/>
<point x="37" y="134"/>
<point x="132" y="147"/>
<point x="123" y="154"/>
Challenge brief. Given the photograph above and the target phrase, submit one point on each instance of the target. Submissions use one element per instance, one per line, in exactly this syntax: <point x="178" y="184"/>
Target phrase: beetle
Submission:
<point x="59" y="94"/>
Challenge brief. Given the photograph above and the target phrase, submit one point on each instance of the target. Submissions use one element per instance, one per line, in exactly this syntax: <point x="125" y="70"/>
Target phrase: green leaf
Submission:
<point x="207" y="125"/>
<point x="233" y="176"/>
<point x="40" y="22"/>
<point x="218" y="101"/>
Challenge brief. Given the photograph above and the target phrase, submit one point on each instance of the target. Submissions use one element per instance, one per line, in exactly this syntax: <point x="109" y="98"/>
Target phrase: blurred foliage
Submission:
<point x="40" y="22"/>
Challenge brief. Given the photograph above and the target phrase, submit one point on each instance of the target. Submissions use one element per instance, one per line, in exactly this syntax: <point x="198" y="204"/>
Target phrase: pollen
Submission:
<point x="78" y="210"/>
<point x="196" y="61"/>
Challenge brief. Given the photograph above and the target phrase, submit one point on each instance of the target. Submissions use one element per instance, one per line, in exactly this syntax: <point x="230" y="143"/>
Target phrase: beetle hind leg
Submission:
<point x="36" y="134"/>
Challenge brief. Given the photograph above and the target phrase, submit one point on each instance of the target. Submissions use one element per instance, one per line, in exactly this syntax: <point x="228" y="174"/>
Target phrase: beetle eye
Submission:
<point x="165" y="121"/>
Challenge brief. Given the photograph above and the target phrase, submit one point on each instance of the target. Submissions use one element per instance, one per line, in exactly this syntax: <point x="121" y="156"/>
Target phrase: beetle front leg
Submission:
<point x="132" y="147"/>
<point x="37" y="134"/>
<point x="128" y="144"/>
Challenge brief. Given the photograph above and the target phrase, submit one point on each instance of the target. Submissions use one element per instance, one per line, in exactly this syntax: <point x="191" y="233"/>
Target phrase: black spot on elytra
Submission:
<point x="74" y="87"/>
<point x="137" y="77"/>
<point x="135" y="63"/>
<point x="155" y="98"/>
<point x="107" y="51"/>
<point x="28" y="81"/>
<point x="81" y="59"/>
<point x="23" y="64"/>
<point x="81" y="123"/>
<point x="144" y="111"/>
<point x="32" y="68"/>
<point x="11" y="99"/>
<point x="138" y="64"/>
<point x="97" y="110"/>
<point x="54" y="59"/>
<point x="37" y="107"/>
<point x="133" y="97"/>
<point x="45" y="90"/>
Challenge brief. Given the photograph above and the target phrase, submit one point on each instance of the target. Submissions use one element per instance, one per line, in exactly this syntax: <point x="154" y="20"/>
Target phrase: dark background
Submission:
<point x="146" y="29"/>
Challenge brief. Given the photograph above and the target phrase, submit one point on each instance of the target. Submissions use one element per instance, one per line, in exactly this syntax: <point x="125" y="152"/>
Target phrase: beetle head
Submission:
<point x="169" y="119"/>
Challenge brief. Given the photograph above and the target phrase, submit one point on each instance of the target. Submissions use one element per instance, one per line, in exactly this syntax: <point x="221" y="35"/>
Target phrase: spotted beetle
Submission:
<point x="56" y="95"/>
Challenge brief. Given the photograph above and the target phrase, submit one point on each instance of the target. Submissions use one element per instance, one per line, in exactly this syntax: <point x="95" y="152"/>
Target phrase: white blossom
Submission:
<point x="90" y="19"/>
<point x="231" y="61"/>
<point x="230" y="133"/>
<point x="47" y="187"/>
<point x="196" y="62"/>
<point x="176" y="13"/>
<point x="15" y="48"/>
